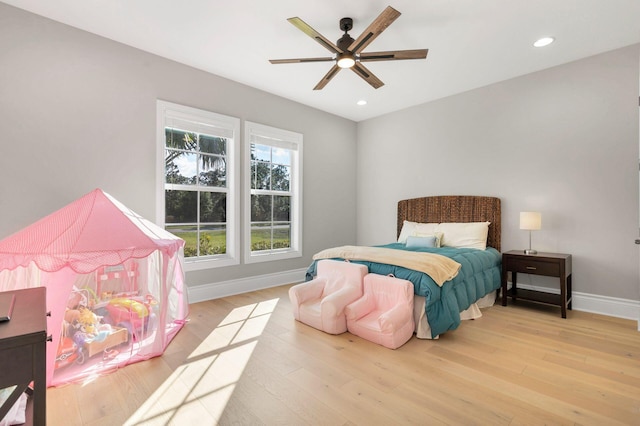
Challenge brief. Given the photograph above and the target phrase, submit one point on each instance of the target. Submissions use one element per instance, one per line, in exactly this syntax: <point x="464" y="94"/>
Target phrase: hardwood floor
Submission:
<point x="244" y="360"/>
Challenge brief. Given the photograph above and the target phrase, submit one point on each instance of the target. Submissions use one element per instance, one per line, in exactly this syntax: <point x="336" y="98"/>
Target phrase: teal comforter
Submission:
<point x="478" y="276"/>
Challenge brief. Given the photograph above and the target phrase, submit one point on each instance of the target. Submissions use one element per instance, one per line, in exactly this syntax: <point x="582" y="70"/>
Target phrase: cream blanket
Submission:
<point x="439" y="268"/>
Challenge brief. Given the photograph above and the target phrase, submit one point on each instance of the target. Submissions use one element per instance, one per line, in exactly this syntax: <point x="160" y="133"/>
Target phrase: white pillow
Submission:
<point x="415" y="228"/>
<point x="465" y="235"/>
<point x="426" y="228"/>
<point x="408" y="228"/>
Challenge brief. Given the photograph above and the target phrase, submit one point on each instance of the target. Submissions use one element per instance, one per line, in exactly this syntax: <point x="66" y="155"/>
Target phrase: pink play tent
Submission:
<point x="115" y="285"/>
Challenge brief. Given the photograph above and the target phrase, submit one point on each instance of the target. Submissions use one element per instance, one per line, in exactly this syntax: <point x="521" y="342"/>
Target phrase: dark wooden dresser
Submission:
<point x="23" y="352"/>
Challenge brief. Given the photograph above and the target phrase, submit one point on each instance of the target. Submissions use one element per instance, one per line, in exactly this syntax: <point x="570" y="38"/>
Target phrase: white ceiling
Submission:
<point x="472" y="43"/>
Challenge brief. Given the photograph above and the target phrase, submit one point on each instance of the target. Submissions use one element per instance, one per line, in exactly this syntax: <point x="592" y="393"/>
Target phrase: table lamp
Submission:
<point x="530" y="221"/>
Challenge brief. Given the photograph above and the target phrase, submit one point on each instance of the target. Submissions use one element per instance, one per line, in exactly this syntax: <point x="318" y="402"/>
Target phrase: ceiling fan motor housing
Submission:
<point x="345" y="41"/>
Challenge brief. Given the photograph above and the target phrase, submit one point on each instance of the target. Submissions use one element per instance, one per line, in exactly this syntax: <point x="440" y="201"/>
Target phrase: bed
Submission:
<point x="440" y="306"/>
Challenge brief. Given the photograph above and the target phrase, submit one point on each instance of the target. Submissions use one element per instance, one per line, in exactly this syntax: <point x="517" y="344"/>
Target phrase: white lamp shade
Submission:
<point x="530" y="220"/>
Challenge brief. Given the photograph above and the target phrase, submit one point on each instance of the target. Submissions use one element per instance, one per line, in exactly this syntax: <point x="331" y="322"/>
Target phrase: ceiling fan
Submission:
<point x="349" y="52"/>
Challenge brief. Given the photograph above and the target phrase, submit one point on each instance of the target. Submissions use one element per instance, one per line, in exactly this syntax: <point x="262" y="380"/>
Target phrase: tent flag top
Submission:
<point x="115" y="285"/>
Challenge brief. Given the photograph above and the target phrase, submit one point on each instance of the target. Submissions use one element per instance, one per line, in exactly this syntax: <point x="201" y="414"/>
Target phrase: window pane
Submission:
<point x="260" y="175"/>
<point x="213" y="145"/>
<point x="281" y="178"/>
<point x="260" y="236"/>
<point x="213" y="207"/>
<point x="189" y="233"/>
<point x="260" y="152"/>
<point x="260" y="208"/>
<point x="282" y="156"/>
<point x="180" y="139"/>
<point x="213" y="240"/>
<point x="171" y="171"/>
<point x="282" y="235"/>
<point x="215" y="171"/>
<point x="281" y="208"/>
<point x="180" y="167"/>
<point x="181" y="206"/>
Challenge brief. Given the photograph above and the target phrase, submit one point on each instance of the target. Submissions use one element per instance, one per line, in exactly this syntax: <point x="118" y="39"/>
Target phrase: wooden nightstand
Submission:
<point x="547" y="264"/>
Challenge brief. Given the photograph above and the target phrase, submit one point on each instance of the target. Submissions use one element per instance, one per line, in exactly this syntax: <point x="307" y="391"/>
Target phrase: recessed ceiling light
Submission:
<point x="544" y="41"/>
<point x="361" y="102"/>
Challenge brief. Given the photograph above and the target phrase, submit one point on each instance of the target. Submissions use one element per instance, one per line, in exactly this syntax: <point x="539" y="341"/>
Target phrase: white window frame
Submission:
<point x="167" y="111"/>
<point x="278" y="138"/>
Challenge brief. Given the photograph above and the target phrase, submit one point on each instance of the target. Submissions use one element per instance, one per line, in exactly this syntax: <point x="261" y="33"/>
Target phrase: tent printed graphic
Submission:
<point x="114" y="280"/>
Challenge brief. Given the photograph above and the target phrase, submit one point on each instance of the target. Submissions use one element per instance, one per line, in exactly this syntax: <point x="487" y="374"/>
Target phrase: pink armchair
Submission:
<point x="384" y="314"/>
<point x="320" y="302"/>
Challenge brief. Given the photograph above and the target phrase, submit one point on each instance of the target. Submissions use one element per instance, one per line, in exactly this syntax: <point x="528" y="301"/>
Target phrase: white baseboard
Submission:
<point x="594" y="303"/>
<point x="243" y="285"/>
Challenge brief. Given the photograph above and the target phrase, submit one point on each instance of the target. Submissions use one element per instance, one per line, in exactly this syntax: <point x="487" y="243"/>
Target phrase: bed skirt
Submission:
<point x="423" y="331"/>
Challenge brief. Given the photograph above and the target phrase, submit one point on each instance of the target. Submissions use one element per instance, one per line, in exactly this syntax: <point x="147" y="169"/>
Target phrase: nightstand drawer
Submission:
<point x="534" y="266"/>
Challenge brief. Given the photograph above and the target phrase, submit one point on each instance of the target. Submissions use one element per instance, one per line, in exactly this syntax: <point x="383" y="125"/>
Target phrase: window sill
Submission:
<point x="270" y="257"/>
<point x="198" y="265"/>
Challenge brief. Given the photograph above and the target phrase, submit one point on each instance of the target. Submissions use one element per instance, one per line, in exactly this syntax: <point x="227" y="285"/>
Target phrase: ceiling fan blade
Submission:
<point x="300" y="60"/>
<point x="306" y="28"/>
<point x="394" y="55"/>
<point x="381" y="23"/>
<point x="367" y="75"/>
<point x="327" y="78"/>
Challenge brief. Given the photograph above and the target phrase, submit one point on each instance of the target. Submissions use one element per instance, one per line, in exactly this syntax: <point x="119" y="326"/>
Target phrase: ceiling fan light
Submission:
<point x="345" y="60"/>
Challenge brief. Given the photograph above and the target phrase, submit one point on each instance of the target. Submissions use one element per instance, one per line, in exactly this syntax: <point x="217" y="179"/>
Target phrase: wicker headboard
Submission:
<point x="454" y="208"/>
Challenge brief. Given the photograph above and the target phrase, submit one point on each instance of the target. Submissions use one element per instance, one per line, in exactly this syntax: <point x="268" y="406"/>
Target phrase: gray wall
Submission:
<point x="78" y="112"/>
<point x="563" y="141"/>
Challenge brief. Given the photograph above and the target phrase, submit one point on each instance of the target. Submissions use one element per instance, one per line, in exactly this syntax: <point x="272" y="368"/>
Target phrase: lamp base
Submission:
<point x="530" y="251"/>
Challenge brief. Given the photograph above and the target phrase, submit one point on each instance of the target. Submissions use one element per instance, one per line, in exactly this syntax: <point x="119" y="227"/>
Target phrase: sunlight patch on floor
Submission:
<point x="199" y="390"/>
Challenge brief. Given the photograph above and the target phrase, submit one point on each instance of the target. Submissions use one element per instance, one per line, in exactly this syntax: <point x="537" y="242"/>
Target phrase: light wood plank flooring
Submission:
<point x="243" y="360"/>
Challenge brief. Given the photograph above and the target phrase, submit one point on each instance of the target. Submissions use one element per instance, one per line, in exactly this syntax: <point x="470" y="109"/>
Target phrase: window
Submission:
<point x="273" y="193"/>
<point x="198" y="183"/>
